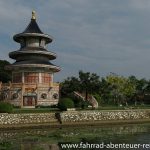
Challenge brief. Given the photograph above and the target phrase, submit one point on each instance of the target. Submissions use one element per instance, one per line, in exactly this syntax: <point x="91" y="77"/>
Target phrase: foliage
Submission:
<point x="86" y="82"/>
<point x="98" y="98"/>
<point x="105" y="92"/>
<point x="77" y="101"/>
<point x="121" y="88"/>
<point x="84" y="104"/>
<point x="65" y="103"/>
<point x="5" y="107"/>
<point x="89" y="83"/>
<point x="5" y="75"/>
<point x="111" y="90"/>
<point x="142" y="94"/>
<point x="5" y="145"/>
<point x="70" y="85"/>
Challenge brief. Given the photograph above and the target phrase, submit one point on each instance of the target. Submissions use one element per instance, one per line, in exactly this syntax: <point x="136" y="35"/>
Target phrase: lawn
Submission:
<point x="113" y="107"/>
<point x="105" y="107"/>
<point x="34" y="110"/>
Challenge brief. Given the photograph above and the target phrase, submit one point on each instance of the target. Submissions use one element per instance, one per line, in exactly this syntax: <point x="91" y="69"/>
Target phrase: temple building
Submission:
<point x="32" y="73"/>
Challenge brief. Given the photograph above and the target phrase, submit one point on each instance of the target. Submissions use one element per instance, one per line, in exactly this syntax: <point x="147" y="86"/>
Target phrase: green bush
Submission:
<point x="65" y="103"/>
<point x="98" y="98"/>
<point x="84" y="104"/>
<point x="77" y="102"/>
<point x="5" y="107"/>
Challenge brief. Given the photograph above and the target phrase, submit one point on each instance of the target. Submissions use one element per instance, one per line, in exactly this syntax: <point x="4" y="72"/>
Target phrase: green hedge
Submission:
<point x="5" y="107"/>
<point x="65" y="103"/>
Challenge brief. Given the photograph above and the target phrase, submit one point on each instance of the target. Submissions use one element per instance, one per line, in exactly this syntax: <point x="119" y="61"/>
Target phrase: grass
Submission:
<point x="143" y="106"/>
<point x="34" y="110"/>
<point x="104" y="107"/>
<point x="113" y="107"/>
<point x="116" y="107"/>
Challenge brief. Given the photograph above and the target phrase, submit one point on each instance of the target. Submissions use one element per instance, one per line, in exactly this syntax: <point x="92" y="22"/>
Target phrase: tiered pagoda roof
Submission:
<point x="33" y="52"/>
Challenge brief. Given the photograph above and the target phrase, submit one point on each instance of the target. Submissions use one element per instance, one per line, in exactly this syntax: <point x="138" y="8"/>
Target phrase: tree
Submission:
<point x="5" y="75"/>
<point x="70" y="85"/>
<point x="142" y="89"/>
<point x="105" y="91"/>
<point x="122" y="88"/>
<point x="89" y="83"/>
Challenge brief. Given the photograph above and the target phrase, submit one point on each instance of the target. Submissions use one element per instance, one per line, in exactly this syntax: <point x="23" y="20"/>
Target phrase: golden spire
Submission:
<point x="33" y="15"/>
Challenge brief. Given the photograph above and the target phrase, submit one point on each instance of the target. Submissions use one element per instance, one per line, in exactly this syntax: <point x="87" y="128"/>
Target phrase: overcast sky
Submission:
<point x="100" y="36"/>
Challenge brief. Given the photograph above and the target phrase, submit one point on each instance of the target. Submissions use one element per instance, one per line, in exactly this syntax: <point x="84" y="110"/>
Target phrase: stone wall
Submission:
<point x="30" y="118"/>
<point x="91" y="116"/>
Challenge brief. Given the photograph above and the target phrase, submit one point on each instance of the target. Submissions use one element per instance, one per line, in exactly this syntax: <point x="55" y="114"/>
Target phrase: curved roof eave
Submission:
<point x="52" y="68"/>
<point x="17" y="37"/>
<point x="50" y="55"/>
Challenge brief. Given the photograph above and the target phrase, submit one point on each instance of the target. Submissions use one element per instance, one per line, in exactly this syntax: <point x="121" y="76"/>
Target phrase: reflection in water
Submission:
<point x="49" y="139"/>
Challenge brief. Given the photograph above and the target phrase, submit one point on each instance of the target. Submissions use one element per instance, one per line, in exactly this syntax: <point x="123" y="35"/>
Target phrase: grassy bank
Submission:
<point x="105" y="107"/>
<point x="115" y="107"/>
<point x="34" y="110"/>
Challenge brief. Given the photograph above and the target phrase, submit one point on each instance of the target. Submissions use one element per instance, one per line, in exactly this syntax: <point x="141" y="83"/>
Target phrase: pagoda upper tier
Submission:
<point x="33" y="52"/>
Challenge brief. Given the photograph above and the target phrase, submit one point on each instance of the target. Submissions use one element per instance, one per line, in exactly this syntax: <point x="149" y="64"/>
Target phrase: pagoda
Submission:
<point x="32" y="73"/>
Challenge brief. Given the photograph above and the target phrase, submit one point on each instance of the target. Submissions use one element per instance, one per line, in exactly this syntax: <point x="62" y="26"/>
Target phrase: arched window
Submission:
<point x="14" y="96"/>
<point x="44" y="95"/>
<point x="55" y="96"/>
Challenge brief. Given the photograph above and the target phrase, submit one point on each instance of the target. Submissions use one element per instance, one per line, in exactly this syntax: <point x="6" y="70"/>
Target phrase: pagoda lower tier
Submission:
<point x="30" y="95"/>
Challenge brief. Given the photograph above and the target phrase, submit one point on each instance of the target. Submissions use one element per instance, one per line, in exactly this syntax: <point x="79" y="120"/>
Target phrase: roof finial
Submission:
<point x="33" y="15"/>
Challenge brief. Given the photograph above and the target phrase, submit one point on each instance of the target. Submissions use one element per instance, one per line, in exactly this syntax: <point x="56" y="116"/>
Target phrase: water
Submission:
<point x="49" y="139"/>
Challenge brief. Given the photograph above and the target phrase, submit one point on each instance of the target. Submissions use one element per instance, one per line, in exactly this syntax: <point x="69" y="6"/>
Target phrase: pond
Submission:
<point x="52" y="138"/>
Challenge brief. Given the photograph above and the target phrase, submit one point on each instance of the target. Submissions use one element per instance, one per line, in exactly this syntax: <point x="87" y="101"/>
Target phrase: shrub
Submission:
<point x="77" y="102"/>
<point x="5" y="107"/>
<point x="98" y="98"/>
<point x="65" y="103"/>
<point x="84" y="104"/>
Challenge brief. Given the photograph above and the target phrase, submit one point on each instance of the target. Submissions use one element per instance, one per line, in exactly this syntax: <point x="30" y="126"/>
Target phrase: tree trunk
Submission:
<point x="126" y="103"/>
<point x="135" y="103"/>
<point x="86" y="95"/>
